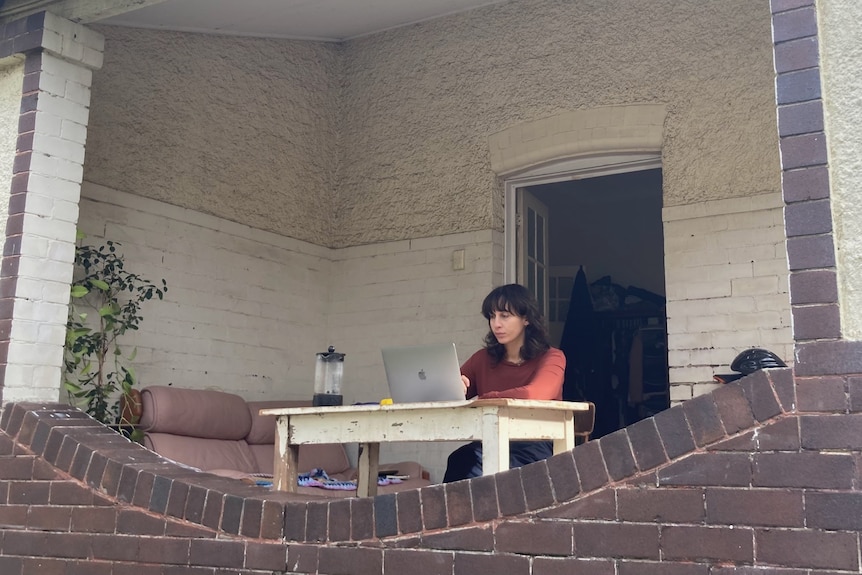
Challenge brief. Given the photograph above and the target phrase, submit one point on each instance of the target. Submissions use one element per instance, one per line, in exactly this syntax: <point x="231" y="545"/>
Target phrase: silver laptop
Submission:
<point x="423" y="373"/>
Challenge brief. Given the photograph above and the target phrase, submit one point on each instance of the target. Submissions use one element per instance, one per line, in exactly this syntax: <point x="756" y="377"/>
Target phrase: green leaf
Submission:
<point x="106" y="310"/>
<point x="72" y="387"/>
<point x="79" y="291"/>
<point x="100" y="284"/>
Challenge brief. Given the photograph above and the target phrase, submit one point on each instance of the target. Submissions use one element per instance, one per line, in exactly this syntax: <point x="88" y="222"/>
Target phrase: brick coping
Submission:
<point x="129" y="474"/>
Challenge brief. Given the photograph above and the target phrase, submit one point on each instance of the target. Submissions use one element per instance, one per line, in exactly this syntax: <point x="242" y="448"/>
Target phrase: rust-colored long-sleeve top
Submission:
<point x="538" y="378"/>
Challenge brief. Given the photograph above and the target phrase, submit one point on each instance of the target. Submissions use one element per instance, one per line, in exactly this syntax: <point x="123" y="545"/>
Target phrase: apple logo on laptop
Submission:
<point x="422" y="374"/>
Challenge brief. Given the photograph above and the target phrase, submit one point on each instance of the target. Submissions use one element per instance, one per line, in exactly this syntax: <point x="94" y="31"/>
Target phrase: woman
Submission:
<point x="517" y="362"/>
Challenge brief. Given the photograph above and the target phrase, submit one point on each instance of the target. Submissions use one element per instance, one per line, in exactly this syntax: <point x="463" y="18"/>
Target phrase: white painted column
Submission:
<point x="59" y="58"/>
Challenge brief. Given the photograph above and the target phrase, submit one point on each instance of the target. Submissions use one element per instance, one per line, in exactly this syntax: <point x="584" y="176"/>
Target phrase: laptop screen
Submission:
<point x="423" y="373"/>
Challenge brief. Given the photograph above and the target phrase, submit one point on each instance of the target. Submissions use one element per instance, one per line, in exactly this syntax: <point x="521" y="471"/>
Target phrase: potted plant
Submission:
<point x="106" y="301"/>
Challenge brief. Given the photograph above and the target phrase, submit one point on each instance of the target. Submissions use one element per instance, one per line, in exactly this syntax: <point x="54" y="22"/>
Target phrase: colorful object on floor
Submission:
<point x="318" y="478"/>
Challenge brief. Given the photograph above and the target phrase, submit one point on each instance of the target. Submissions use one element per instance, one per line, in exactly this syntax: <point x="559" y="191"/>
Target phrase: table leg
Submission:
<point x="495" y="442"/>
<point x="366" y="476"/>
<point x="567" y="442"/>
<point x="286" y="457"/>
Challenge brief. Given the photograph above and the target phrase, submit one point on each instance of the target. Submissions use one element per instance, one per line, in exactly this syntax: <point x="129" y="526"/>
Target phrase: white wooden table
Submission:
<point x="494" y="422"/>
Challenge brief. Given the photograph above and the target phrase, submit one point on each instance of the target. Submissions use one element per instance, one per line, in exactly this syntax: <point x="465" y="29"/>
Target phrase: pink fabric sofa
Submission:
<point x="222" y="433"/>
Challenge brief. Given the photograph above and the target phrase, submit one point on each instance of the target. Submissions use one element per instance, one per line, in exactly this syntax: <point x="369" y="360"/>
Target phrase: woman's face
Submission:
<point x="507" y="327"/>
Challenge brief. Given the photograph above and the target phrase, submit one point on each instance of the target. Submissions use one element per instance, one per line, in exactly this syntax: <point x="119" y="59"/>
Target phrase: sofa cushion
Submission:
<point x="203" y="454"/>
<point x="263" y="426"/>
<point x="195" y="413"/>
<point x="331" y="457"/>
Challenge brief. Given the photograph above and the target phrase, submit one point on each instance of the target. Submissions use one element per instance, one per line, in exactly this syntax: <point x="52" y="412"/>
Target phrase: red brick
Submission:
<point x="471" y="564"/>
<point x="385" y="515"/>
<point x="409" y="511"/>
<point x="20" y="467"/>
<point x="678" y="505"/>
<point x="252" y="510"/>
<point x="94" y="519"/>
<point x="534" y="538"/>
<point x="433" y="507"/>
<point x="510" y="492"/>
<point x="13" y="516"/>
<point x="479" y="538"/>
<point x="814" y="470"/>
<point x="807" y="549"/>
<point x="88" y="567"/>
<point x="231" y="513"/>
<point x="361" y="510"/>
<point x="834" y="511"/>
<point x="44" y="470"/>
<point x="646" y="444"/>
<point x="835" y="432"/>
<point x="674" y="432"/>
<point x="32" y="492"/>
<point x="11" y="565"/>
<point x="783" y="435"/>
<point x="598" y="505"/>
<point x="572" y="566"/>
<point x="733" y="409"/>
<point x="537" y="485"/>
<point x="618" y="456"/>
<point x="755" y="507"/>
<point x="824" y="394"/>
<point x="714" y="543"/>
<point x="401" y="561"/>
<point x="703" y="419"/>
<point x="317" y="521"/>
<point x="69" y="545"/>
<point x="47" y="518"/>
<point x="69" y="493"/>
<point x="115" y="547"/>
<point x="350" y="560"/>
<point x="303" y="558"/>
<point x="217" y="553"/>
<point x="176" y="551"/>
<point x="136" y="522"/>
<point x="712" y="468"/>
<point x="266" y="556"/>
<point x="43" y="566"/>
<point x="339" y="520"/>
<point x="620" y="540"/>
<point x="181" y="529"/>
<point x="564" y="478"/>
<point x="590" y="466"/>
<point x="665" y="568"/>
<point x="458" y="505"/>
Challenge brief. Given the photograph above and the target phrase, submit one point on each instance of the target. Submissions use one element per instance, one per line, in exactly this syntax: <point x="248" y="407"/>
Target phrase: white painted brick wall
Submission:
<point x="726" y="274"/>
<point x="406" y="293"/>
<point x="246" y="311"/>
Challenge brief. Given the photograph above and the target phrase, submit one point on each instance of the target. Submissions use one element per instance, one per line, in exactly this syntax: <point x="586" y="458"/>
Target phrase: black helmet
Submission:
<point x="755" y="358"/>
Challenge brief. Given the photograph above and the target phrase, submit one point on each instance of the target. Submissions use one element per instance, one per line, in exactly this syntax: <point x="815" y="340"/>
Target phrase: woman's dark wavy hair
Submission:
<point x="516" y="299"/>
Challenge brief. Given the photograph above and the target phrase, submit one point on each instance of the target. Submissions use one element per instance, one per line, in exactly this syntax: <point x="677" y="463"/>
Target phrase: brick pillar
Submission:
<point x="52" y="61"/>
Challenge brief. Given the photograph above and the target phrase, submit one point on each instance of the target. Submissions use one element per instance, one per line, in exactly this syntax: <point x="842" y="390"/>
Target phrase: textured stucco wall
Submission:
<point x="421" y="101"/>
<point x="841" y="60"/>
<point x="11" y="78"/>
<point x="240" y="128"/>
<point x="386" y="137"/>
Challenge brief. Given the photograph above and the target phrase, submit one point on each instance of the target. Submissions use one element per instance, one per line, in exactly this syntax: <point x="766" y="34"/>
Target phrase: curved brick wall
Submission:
<point x="729" y="481"/>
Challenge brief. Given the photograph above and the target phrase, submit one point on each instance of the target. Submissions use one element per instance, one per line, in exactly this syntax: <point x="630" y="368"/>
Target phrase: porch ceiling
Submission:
<point x="329" y="20"/>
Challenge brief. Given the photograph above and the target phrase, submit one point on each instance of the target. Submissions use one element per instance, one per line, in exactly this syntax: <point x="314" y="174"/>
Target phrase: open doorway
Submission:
<point x="600" y="244"/>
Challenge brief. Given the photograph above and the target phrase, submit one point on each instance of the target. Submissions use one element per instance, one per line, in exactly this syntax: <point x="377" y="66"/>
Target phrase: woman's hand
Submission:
<point x="466" y="381"/>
